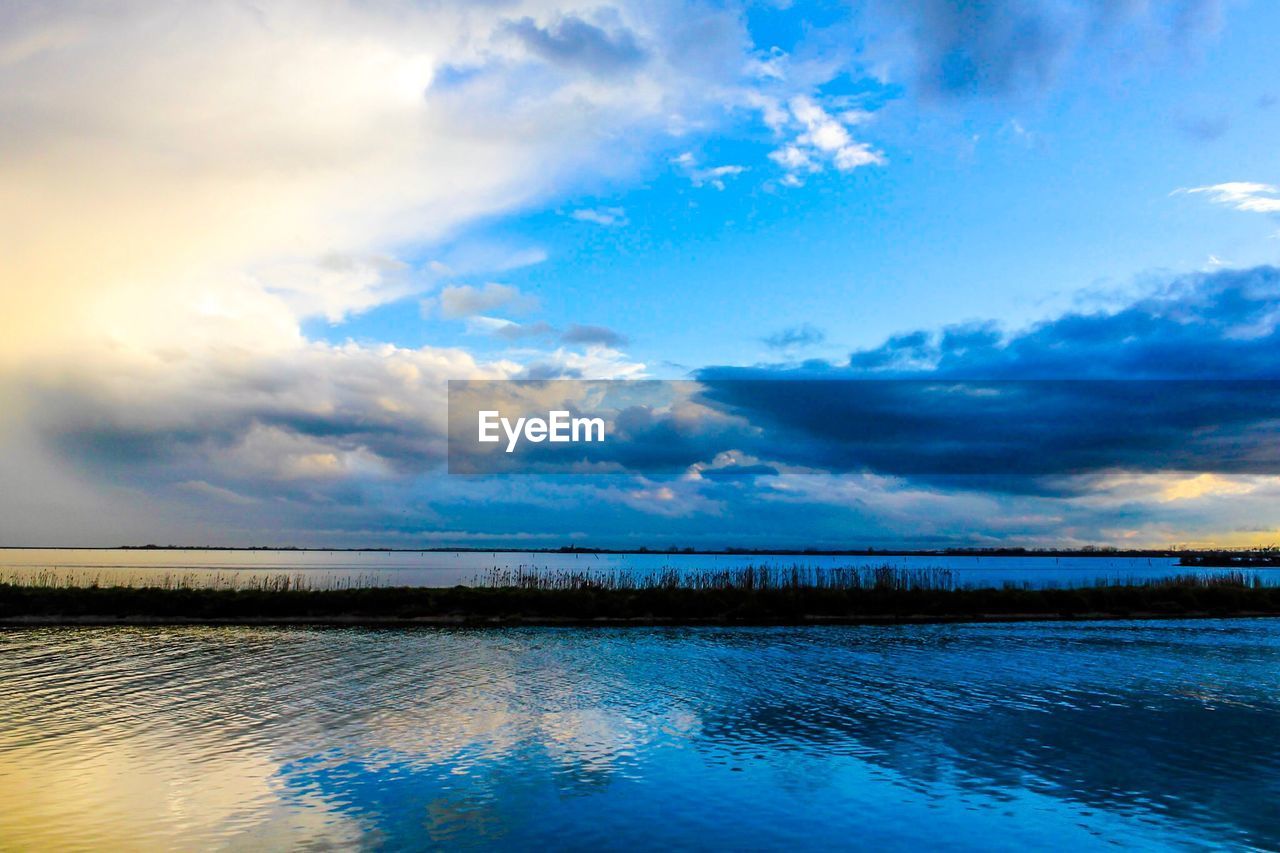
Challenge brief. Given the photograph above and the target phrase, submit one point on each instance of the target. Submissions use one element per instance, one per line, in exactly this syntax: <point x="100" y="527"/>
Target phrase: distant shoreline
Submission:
<point x="1226" y="558"/>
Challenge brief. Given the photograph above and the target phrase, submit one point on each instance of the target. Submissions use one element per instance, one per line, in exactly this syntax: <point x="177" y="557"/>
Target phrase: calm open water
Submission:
<point x="1147" y="734"/>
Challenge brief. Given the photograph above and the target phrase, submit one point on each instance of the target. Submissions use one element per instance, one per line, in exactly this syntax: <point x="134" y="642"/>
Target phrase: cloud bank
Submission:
<point x="184" y="186"/>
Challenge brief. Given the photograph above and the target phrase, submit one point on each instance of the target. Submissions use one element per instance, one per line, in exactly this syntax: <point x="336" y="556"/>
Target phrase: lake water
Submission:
<point x="447" y="568"/>
<point x="1070" y="736"/>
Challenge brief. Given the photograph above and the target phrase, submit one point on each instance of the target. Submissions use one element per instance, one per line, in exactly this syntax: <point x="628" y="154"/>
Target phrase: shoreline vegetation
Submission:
<point x="751" y="595"/>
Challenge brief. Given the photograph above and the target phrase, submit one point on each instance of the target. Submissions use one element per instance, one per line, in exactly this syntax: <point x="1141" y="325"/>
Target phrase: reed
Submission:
<point x="591" y="605"/>
<point x="742" y="578"/>
<point x="764" y="595"/>
<point x="56" y="577"/>
<point x="750" y="578"/>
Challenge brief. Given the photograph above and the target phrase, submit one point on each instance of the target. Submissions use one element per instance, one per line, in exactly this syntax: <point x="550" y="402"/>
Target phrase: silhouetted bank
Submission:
<point x="1232" y="560"/>
<point x="749" y="596"/>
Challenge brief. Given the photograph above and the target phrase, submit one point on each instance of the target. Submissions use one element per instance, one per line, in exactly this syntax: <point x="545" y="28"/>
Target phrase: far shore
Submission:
<point x="1257" y="558"/>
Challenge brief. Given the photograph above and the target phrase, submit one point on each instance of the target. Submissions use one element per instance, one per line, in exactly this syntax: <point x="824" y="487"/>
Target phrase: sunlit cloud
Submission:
<point x="1172" y="486"/>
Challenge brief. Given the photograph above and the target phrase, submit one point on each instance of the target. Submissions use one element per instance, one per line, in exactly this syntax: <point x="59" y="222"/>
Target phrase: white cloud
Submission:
<point x="1243" y="195"/>
<point x="282" y="454"/>
<point x="183" y="184"/>
<point x="793" y="158"/>
<point x="184" y="170"/>
<point x="470" y="257"/>
<point x="817" y="139"/>
<point x="606" y="216"/>
<point x="713" y="176"/>
<point x="336" y="285"/>
<point x="508" y="330"/>
<point x="772" y="67"/>
<point x="595" y="362"/>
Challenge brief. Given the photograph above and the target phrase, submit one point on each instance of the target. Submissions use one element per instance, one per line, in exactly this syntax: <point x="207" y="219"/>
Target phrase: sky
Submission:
<point x="246" y="246"/>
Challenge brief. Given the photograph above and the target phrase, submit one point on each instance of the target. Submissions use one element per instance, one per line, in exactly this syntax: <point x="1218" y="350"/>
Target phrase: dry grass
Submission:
<point x="55" y="577"/>
<point x="744" y="578"/>
<point x="750" y="578"/>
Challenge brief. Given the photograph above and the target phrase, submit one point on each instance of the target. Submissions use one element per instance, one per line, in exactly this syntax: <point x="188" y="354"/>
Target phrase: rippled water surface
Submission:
<point x="1157" y="734"/>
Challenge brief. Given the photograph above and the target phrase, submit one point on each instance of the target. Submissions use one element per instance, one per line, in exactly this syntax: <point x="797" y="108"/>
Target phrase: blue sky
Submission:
<point x="1008" y="206"/>
<point x="244" y="262"/>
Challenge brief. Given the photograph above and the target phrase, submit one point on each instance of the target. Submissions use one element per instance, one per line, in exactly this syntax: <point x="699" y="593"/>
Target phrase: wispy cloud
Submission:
<point x="201" y="489"/>
<point x="1242" y="195"/>
<point x="1203" y="128"/>
<point x="714" y="176"/>
<point x="509" y="330"/>
<point x="804" y="335"/>
<point x="465" y="300"/>
<point x="606" y="216"/>
<point x="593" y="336"/>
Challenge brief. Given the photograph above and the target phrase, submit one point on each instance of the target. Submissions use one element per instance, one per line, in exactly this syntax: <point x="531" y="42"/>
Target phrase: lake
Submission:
<point x="1074" y="736"/>
<point x="447" y="568"/>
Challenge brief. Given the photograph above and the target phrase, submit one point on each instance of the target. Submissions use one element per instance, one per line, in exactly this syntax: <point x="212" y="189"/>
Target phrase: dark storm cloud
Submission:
<point x="1206" y="326"/>
<point x="1005" y="431"/>
<point x="1187" y="380"/>
<point x="573" y="42"/>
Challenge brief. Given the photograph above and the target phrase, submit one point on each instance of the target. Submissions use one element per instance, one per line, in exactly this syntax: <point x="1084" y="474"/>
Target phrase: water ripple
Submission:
<point x="961" y="736"/>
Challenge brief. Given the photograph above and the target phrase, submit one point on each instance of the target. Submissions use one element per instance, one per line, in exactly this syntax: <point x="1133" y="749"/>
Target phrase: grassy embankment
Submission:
<point x="752" y="595"/>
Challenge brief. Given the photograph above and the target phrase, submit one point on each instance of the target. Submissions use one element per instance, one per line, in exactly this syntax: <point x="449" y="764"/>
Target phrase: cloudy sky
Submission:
<point x="244" y="246"/>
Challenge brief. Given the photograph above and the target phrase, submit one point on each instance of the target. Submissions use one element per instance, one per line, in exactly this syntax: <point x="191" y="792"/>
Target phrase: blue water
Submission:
<point x="1145" y="734"/>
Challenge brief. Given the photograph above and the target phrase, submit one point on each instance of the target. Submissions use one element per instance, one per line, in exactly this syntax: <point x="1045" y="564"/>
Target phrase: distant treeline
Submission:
<point x="743" y="596"/>
<point x="1267" y="559"/>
